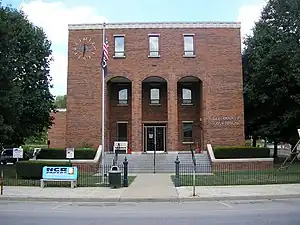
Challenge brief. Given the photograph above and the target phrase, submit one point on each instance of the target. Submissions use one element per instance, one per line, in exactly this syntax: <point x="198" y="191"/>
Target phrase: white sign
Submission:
<point x="299" y="132"/>
<point x="18" y="153"/>
<point x="70" y="153"/>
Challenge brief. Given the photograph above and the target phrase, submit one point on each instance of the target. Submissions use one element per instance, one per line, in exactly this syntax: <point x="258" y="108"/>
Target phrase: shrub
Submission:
<point x="232" y="152"/>
<point x="34" y="169"/>
<point x="54" y="153"/>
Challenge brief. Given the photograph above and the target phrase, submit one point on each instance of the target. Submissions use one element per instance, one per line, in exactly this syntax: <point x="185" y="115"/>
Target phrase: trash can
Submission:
<point x="114" y="177"/>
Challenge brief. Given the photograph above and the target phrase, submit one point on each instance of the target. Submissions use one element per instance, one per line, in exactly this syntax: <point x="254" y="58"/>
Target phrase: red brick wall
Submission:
<point x="242" y="166"/>
<point x="57" y="133"/>
<point x="87" y="167"/>
<point x="217" y="64"/>
<point x="250" y="165"/>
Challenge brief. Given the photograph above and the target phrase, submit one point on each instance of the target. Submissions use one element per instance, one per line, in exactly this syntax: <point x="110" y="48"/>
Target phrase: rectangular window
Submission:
<point x="122" y="131"/>
<point x="119" y="46"/>
<point x="186" y="96"/>
<point x="189" y="45"/>
<point x="123" y="96"/>
<point x="154" y="96"/>
<point x="154" y="45"/>
<point x="187" y="132"/>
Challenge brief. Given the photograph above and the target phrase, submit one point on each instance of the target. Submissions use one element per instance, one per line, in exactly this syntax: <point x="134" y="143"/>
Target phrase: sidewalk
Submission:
<point x="152" y="187"/>
<point x="243" y="192"/>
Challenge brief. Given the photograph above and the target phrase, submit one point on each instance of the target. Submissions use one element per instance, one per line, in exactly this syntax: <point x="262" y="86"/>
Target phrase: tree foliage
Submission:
<point x="25" y="98"/>
<point x="271" y="64"/>
<point x="61" y="101"/>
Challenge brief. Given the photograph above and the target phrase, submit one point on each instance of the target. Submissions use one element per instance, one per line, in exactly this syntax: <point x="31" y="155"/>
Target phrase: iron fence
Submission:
<point x="88" y="176"/>
<point x="207" y="175"/>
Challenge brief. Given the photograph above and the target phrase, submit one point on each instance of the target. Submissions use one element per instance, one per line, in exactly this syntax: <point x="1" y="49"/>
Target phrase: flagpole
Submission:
<point x="103" y="110"/>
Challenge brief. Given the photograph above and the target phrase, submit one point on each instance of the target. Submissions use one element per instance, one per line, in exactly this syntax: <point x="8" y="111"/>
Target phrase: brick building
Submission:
<point x="169" y="85"/>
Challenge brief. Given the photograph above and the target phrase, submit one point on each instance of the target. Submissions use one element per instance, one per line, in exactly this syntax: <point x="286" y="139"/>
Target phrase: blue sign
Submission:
<point x="60" y="173"/>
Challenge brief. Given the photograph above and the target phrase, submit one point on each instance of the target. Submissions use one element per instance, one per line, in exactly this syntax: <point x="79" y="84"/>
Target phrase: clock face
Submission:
<point x="84" y="48"/>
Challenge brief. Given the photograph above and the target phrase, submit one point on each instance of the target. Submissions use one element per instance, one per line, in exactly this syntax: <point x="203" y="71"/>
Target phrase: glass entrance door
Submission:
<point x="155" y="138"/>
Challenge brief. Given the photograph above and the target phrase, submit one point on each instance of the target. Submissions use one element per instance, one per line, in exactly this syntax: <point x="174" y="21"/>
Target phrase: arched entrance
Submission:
<point x="154" y="114"/>
<point x="119" y="91"/>
<point x="190" y="115"/>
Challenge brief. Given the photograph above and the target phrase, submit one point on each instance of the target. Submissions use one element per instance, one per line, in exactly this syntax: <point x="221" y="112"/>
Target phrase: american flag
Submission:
<point x="105" y="55"/>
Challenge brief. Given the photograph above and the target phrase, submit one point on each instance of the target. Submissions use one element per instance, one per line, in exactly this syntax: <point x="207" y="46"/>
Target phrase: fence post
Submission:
<point x="2" y="168"/>
<point x="1" y="181"/>
<point x="177" y="180"/>
<point x="125" y="181"/>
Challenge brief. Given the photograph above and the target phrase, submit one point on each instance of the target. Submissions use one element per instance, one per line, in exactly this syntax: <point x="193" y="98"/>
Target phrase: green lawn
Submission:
<point x="274" y="176"/>
<point x="85" y="179"/>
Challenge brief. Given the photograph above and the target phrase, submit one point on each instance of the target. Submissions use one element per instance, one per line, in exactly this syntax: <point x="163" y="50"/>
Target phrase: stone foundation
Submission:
<point x="242" y="166"/>
<point x="248" y="164"/>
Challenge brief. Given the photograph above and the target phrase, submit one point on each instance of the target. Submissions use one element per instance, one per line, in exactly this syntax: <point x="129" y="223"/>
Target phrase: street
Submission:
<point x="275" y="212"/>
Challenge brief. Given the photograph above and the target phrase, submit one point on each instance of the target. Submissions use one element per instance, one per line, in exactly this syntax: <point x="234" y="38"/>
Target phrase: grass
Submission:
<point x="274" y="176"/>
<point x="85" y="179"/>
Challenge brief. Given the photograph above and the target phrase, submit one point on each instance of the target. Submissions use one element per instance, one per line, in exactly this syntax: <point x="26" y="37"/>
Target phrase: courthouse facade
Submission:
<point x="169" y="86"/>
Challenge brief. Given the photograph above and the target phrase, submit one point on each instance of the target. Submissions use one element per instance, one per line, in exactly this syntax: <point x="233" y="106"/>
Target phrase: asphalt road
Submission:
<point x="275" y="212"/>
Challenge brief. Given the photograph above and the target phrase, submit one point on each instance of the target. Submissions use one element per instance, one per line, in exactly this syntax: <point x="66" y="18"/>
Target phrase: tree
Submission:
<point x="61" y="101"/>
<point x="25" y="98"/>
<point x="271" y="62"/>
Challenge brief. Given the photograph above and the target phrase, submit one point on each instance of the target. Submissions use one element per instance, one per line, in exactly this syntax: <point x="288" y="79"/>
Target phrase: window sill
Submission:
<point x="122" y="104"/>
<point x="187" y="142"/>
<point x="119" y="57"/>
<point x="189" y="56"/>
<point x="187" y="104"/>
<point x="155" y="104"/>
<point x="153" y="56"/>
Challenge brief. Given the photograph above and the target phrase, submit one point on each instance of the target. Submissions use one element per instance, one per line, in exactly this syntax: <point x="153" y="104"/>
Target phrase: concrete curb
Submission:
<point x="184" y="199"/>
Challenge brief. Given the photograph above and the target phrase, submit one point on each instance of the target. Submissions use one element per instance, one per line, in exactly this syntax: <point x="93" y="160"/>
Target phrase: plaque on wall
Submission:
<point x="226" y="121"/>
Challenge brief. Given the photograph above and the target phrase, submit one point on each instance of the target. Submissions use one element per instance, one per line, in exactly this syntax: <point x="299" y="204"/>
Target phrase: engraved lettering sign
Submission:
<point x="226" y="121"/>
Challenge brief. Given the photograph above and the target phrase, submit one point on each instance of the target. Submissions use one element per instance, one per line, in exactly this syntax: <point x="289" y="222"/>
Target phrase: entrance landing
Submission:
<point x="150" y="186"/>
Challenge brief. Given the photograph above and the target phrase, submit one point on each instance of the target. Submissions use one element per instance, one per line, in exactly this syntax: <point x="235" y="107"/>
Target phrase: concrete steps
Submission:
<point x="164" y="162"/>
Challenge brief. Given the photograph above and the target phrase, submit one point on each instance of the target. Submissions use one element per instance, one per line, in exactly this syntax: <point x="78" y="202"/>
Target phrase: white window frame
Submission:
<point x="119" y="54"/>
<point x="158" y="46"/>
<point x="185" y="52"/>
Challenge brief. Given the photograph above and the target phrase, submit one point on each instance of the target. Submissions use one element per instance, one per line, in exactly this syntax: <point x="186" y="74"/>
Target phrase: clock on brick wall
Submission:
<point x="84" y="48"/>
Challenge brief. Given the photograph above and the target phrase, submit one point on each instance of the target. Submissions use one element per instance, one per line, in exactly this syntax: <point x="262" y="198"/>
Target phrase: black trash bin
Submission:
<point x="114" y="177"/>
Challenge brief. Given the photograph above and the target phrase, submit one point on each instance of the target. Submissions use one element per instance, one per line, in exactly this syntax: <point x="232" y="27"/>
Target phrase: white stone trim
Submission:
<point x="214" y="160"/>
<point x="61" y="110"/>
<point x="84" y="161"/>
<point x="93" y="26"/>
<point x="188" y="34"/>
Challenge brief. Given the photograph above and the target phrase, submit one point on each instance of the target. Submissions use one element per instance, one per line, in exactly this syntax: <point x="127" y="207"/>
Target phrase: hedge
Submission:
<point x="58" y="153"/>
<point x="34" y="169"/>
<point x="231" y="152"/>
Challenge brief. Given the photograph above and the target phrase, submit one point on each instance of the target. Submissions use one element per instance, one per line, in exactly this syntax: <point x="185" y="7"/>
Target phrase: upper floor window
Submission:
<point x="123" y="96"/>
<point x="154" y="45"/>
<point x="186" y="96"/>
<point x="119" y="46"/>
<point x="189" y="45"/>
<point x="154" y="96"/>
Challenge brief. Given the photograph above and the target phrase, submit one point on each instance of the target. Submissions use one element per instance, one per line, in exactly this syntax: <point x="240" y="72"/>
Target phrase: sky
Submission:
<point x="55" y="15"/>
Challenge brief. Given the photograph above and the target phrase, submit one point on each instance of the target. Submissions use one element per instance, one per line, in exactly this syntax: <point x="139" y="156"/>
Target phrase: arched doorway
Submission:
<point x="119" y="90"/>
<point x="154" y="114"/>
<point x="190" y="115"/>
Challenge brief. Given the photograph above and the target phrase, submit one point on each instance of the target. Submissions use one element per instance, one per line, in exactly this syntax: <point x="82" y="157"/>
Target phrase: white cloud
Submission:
<point x="54" y="18"/>
<point x="248" y="15"/>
